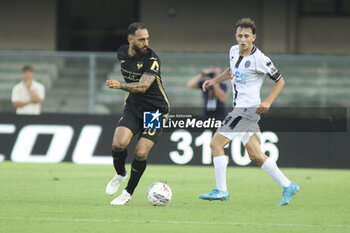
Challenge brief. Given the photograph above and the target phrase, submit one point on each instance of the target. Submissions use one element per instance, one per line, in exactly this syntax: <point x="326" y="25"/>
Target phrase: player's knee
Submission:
<point x="141" y="153"/>
<point x="252" y="152"/>
<point x="256" y="156"/>
<point x="119" y="145"/>
<point x="140" y="158"/>
<point x="252" y="156"/>
<point x="215" y="146"/>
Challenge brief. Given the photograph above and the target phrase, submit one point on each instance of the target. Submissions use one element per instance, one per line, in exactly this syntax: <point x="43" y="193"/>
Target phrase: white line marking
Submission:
<point x="174" y="222"/>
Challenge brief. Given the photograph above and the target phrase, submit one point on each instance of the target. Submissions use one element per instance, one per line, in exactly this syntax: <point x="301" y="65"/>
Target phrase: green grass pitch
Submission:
<point x="70" y="198"/>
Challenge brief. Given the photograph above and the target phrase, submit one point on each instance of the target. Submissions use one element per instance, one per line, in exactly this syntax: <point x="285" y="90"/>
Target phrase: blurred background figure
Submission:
<point x="28" y="94"/>
<point x="215" y="97"/>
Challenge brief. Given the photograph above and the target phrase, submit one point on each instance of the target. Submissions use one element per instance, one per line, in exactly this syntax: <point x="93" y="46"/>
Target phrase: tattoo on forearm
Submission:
<point x="139" y="87"/>
<point x="132" y="87"/>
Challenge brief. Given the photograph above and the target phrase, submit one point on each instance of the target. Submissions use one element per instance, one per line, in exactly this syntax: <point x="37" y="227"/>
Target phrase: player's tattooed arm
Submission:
<point x="138" y="87"/>
<point x="141" y="86"/>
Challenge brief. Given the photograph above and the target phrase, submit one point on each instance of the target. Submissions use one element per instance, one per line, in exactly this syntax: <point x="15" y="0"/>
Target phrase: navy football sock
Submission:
<point x="137" y="169"/>
<point x="119" y="161"/>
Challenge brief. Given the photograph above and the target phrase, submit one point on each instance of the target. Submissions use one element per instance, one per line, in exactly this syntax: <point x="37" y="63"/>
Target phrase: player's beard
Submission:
<point x="138" y="51"/>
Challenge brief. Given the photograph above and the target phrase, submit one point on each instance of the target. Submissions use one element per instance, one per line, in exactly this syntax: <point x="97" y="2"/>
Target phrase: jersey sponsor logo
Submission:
<point x="240" y="77"/>
<point x="131" y="78"/>
<point x="151" y="120"/>
<point x="130" y="72"/>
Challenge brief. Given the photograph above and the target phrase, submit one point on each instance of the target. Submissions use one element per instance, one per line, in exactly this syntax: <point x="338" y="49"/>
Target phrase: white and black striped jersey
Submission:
<point x="247" y="76"/>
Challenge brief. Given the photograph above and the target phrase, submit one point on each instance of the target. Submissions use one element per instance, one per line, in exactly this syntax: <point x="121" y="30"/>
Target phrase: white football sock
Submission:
<point x="220" y="165"/>
<point x="271" y="168"/>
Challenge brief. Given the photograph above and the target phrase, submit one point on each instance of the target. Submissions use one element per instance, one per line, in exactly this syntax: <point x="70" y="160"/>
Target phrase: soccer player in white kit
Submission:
<point x="248" y="68"/>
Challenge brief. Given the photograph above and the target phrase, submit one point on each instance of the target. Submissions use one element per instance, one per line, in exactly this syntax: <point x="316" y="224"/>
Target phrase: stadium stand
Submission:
<point x="71" y="90"/>
<point x="315" y="83"/>
<point x="311" y="81"/>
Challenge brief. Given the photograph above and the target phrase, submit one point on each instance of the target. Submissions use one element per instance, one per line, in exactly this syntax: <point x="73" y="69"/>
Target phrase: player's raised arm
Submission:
<point x="137" y="87"/>
<point x="218" y="79"/>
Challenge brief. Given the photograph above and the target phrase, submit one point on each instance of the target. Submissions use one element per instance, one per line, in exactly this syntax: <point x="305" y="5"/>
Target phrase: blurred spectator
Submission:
<point x="215" y="97"/>
<point x="28" y="94"/>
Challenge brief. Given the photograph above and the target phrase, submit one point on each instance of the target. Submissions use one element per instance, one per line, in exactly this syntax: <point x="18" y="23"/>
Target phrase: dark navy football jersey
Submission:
<point x="132" y="69"/>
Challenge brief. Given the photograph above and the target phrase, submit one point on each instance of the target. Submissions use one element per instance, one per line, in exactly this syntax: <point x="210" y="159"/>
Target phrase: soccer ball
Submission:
<point x="159" y="194"/>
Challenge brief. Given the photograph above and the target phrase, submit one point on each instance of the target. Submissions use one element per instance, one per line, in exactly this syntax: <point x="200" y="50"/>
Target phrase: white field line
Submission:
<point x="173" y="222"/>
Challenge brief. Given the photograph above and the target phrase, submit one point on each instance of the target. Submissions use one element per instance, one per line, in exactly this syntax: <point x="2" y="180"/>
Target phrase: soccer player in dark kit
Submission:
<point x="140" y="68"/>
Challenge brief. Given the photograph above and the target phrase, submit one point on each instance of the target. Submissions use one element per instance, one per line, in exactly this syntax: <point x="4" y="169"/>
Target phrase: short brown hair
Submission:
<point x="27" y="68"/>
<point x="246" y="23"/>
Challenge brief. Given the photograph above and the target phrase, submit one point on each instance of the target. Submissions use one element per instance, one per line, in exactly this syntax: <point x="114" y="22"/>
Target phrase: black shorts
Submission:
<point x="133" y="120"/>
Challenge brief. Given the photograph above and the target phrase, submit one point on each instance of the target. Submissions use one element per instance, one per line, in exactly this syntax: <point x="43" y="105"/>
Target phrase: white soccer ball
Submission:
<point x="159" y="194"/>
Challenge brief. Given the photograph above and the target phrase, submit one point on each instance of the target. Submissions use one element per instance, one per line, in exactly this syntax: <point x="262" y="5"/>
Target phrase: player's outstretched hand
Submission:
<point x="263" y="108"/>
<point x="113" y="84"/>
<point x="207" y="83"/>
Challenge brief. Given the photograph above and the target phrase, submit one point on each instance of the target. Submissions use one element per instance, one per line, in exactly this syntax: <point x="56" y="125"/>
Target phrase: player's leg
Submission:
<point x="139" y="164"/>
<point x="127" y="127"/>
<point x="144" y="145"/>
<point x="254" y="151"/>
<point x="224" y="135"/>
<point x="220" y="161"/>
<point x="121" y="140"/>
<point x="266" y="163"/>
<point x="270" y="166"/>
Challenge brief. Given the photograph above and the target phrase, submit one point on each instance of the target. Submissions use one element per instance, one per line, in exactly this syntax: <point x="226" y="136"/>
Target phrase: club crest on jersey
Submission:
<point x="247" y="64"/>
<point x="139" y="65"/>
